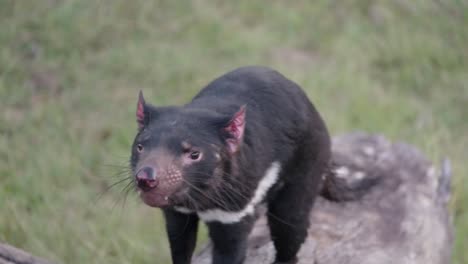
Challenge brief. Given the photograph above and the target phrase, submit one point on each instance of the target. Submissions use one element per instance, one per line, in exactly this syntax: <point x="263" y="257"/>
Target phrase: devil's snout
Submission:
<point x="147" y="179"/>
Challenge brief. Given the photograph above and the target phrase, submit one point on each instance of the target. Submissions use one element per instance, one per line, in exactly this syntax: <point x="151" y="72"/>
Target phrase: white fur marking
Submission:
<point x="226" y="217"/>
<point x="182" y="210"/>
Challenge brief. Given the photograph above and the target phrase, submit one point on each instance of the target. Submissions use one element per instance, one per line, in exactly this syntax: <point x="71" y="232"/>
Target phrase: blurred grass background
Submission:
<point x="70" y="72"/>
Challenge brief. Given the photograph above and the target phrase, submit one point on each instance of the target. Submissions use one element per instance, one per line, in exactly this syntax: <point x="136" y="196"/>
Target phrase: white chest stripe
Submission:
<point x="226" y="217"/>
<point x="183" y="210"/>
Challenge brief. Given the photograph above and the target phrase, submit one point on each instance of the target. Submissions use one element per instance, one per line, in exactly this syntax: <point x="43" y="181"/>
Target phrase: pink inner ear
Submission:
<point x="236" y="129"/>
<point x="140" y="113"/>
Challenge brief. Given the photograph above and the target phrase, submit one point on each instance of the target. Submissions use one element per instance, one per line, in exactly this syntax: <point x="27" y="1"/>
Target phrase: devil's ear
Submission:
<point x="142" y="114"/>
<point x="235" y="130"/>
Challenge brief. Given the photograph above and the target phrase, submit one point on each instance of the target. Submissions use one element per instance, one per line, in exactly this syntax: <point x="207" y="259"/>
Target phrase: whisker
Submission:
<point x="226" y="196"/>
<point x="229" y="187"/>
<point x="129" y="187"/>
<point x="109" y="187"/>
<point x="217" y="202"/>
<point x="124" y="191"/>
<point x="113" y="165"/>
<point x="280" y="219"/>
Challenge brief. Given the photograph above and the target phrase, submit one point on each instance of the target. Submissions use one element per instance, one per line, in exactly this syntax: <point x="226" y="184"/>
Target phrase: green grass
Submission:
<point x="70" y="72"/>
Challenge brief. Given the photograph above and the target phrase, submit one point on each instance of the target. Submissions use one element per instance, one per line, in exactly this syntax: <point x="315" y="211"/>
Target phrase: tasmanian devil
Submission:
<point x="249" y="137"/>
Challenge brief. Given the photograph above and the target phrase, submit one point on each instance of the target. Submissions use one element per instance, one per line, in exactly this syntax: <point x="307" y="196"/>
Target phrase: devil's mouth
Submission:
<point x="154" y="198"/>
<point x="161" y="198"/>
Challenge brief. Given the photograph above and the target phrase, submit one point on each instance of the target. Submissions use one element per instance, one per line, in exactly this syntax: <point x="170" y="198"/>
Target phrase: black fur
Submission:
<point x="281" y="124"/>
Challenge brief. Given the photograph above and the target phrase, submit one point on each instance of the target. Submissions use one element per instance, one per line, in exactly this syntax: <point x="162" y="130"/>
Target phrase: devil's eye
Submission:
<point x="139" y="147"/>
<point x="195" y="155"/>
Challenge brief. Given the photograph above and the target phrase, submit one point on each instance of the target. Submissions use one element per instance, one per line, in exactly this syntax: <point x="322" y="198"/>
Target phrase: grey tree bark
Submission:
<point x="403" y="219"/>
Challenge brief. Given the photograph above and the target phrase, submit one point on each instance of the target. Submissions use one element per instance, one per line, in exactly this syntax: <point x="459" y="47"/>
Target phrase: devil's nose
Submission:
<point x="146" y="173"/>
<point x="146" y="178"/>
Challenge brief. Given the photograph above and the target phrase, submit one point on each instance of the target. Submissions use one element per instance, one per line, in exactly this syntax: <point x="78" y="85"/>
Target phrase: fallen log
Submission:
<point x="402" y="219"/>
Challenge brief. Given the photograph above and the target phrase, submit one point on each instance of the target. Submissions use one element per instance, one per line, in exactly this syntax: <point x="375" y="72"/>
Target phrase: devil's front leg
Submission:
<point x="182" y="233"/>
<point x="230" y="240"/>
